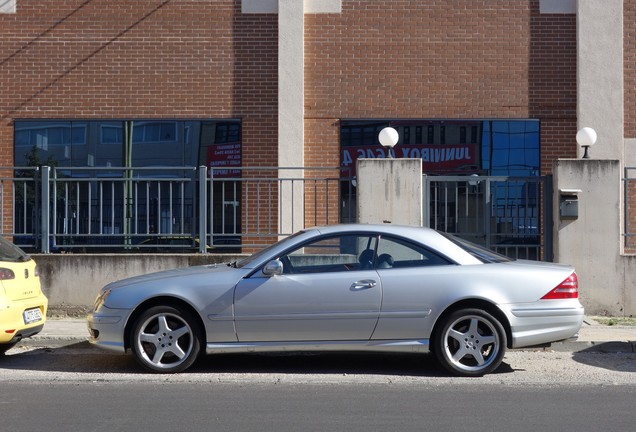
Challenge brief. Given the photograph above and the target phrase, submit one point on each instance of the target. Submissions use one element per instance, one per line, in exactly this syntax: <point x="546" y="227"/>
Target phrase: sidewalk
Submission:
<point x="592" y="337"/>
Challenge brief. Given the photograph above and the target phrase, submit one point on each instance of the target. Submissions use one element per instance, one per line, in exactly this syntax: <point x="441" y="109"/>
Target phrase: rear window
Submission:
<point x="481" y="253"/>
<point x="10" y="252"/>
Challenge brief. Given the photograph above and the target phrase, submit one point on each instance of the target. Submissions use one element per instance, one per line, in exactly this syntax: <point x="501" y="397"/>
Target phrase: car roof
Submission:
<point x="426" y="236"/>
<point x="419" y="234"/>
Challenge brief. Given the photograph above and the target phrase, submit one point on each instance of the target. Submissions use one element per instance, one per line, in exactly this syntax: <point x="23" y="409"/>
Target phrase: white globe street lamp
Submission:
<point x="388" y="139"/>
<point x="586" y="137"/>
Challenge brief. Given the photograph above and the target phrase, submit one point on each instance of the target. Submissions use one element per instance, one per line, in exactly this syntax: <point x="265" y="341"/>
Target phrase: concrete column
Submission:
<point x="591" y="242"/>
<point x="291" y="104"/>
<point x="600" y="75"/>
<point x="390" y="191"/>
<point x="291" y="92"/>
<point x="7" y="6"/>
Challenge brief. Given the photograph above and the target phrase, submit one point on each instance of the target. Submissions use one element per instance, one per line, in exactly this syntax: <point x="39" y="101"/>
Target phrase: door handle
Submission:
<point x="363" y="284"/>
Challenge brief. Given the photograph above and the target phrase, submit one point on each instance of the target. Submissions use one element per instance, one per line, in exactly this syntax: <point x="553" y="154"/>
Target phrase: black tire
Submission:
<point x="165" y="339"/>
<point x="6" y="347"/>
<point x="470" y="343"/>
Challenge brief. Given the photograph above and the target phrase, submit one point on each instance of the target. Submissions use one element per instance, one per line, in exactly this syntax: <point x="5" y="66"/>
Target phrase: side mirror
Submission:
<point x="273" y="268"/>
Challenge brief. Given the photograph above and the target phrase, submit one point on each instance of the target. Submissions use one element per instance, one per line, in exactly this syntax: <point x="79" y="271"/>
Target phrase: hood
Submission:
<point x="192" y="283"/>
<point x="166" y="275"/>
<point x="169" y="276"/>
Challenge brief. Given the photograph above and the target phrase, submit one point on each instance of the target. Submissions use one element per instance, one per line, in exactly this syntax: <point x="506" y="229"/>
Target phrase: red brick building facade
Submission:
<point x="394" y="59"/>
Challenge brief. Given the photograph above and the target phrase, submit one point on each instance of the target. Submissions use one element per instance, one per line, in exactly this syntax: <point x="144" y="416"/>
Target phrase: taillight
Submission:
<point x="6" y="274"/>
<point x="568" y="289"/>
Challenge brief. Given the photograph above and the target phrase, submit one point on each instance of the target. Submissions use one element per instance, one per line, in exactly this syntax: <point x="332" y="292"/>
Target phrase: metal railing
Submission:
<point x="630" y="209"/>
<point x="505" y="214"/>
<point x="109" y="209"/>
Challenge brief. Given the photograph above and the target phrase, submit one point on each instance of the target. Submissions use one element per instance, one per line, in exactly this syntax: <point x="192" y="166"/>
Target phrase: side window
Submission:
<point x="398" y="253"/>
<point x="332" y="254"/>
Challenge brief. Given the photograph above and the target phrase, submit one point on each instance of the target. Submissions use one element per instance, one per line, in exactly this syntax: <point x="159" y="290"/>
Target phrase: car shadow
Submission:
<point x="85" y="358"/>
<point x="79" y="357"/>
<point x="328" y="363"/>
<point x="613" y="356"/>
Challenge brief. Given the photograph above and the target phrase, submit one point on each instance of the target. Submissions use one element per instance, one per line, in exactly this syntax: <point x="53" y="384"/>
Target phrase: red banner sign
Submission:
<point x="437" y="158"/>
<point x="224" y="156"/>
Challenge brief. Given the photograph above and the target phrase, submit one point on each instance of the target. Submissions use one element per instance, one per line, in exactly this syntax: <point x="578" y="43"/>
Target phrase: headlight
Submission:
<point x="100" y="300"/>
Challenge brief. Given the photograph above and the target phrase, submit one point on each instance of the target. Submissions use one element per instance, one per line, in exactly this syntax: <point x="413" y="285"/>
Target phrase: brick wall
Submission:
<point x="442" y="59"/>
<point x="629" y="47"/>
<point x="101" y="59"/>
<point x="463" y="59"/>
<point x="455" y="59"/>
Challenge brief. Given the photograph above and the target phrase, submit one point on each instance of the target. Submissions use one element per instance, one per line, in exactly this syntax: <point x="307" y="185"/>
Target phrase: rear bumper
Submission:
<point x="532" y="326"/>
<point x="12" y="326"/>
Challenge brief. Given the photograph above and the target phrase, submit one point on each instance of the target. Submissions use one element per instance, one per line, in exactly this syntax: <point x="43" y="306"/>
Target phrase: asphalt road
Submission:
<point x="81" y="388"/>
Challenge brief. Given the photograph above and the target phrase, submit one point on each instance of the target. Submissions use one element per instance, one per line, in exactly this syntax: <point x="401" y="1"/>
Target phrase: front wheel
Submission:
<point x="470" y="342"/>
<point x="165" y="339"/>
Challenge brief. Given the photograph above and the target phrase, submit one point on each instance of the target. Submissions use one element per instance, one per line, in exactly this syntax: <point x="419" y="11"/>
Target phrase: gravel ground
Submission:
<point x="83" y="363"/>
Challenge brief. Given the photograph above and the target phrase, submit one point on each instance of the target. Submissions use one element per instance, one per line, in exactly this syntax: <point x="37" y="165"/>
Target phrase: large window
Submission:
<point x="127" y="143"/>
<point x="449" y="147"/>
<point x="126" y="182"/>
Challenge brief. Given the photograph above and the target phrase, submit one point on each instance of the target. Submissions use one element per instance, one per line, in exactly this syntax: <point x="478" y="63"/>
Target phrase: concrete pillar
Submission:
<point x="291" y="94"/>
<point x="600" y="75"/>
<point x="7" y="6"/>
<point x="291" y="114"/>
<point x="591" y="242"/>
<point x="390" y="191"/>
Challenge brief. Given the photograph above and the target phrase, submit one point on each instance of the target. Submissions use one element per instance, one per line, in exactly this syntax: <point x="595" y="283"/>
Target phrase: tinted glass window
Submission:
<point x="123" y="143"/>
<point x="332" y="254"/>
<point x="398" y="253"/>
<point x="479" y="252"/>
<point x="10" y="252"/>
<point x="484" y="147"/>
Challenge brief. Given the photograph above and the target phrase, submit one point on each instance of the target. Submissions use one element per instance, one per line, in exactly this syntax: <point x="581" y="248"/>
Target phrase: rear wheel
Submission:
<point x="470" y="342"/>
<point x="165" y="339"/>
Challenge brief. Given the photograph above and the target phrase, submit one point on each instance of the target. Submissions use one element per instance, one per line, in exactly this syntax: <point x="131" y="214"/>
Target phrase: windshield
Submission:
<point x="481" y="253"/>
<point x="245" y="261"/>
<point x="10" y="252"/>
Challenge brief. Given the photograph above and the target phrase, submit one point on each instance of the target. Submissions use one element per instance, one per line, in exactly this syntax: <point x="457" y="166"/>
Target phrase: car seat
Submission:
<point x="366" y="259"/>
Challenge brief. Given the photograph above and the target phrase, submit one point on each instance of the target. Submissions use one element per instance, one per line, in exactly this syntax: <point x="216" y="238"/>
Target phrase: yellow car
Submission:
<point x="22" y="303"/>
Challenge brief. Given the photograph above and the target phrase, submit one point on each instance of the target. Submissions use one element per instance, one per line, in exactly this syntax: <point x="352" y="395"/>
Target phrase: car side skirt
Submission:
<point x="407" y="346"/>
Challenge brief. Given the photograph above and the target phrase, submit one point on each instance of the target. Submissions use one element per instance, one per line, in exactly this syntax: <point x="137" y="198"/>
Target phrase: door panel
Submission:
<point x="314" y="307"/>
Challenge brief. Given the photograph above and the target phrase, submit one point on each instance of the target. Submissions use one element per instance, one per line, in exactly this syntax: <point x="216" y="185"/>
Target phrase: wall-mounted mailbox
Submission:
<point x="569" y="203"/>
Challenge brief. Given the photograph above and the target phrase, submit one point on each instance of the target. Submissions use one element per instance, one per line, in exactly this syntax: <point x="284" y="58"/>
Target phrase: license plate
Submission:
<point x="32" y="315"/>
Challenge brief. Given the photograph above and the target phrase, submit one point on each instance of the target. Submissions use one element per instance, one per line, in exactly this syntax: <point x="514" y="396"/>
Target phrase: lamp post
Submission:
<point x="586" y="137"/>
<point x="388" y="139"/>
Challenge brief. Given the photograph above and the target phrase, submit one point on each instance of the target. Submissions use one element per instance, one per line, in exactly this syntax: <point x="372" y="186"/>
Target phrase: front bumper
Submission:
<point x="106" y="330"/>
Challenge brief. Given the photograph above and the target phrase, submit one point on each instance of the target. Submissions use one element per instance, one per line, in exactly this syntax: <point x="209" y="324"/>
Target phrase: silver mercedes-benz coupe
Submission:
<point x="344" y="287"/>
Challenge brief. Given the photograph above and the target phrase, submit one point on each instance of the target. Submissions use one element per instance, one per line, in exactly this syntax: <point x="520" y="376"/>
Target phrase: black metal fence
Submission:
<point x="198" y="209"/>
<point x="505" y="214"/>
<point x="107" y="209"/>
